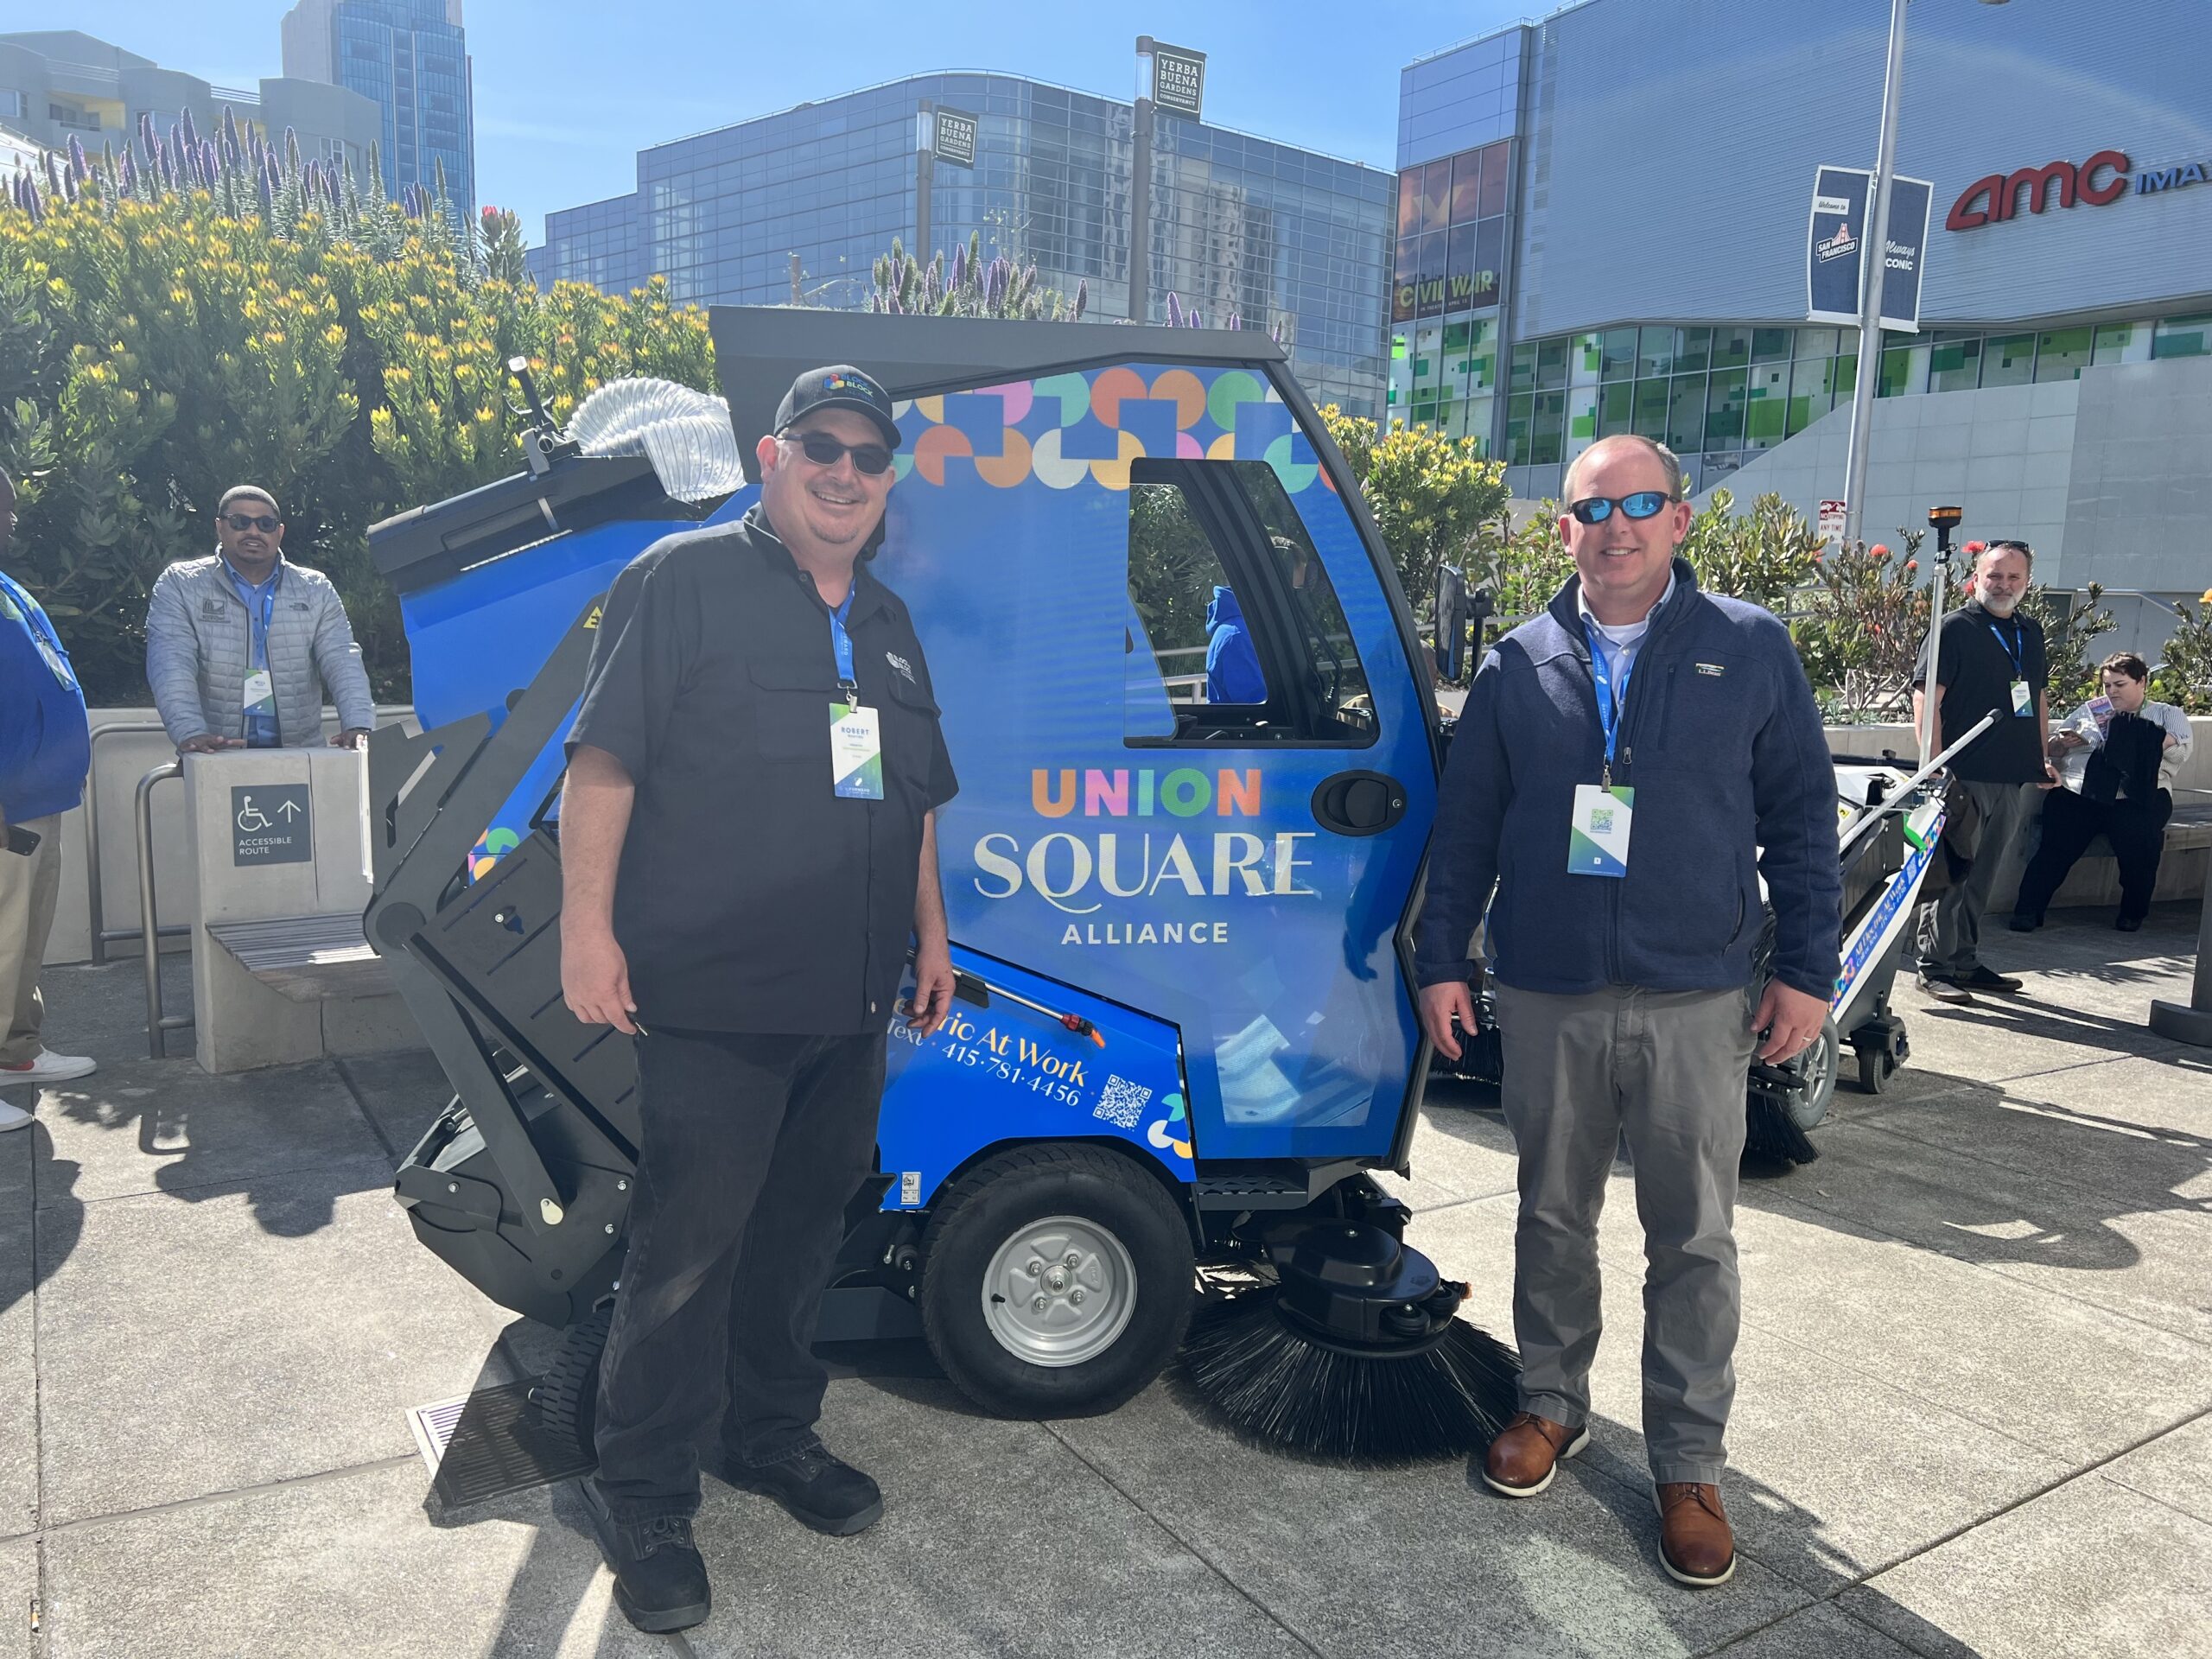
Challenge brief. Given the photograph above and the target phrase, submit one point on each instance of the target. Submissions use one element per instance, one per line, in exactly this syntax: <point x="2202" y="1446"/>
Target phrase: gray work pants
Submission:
<point x="1667" y="1070"/>
<point x="1950" y="925"/>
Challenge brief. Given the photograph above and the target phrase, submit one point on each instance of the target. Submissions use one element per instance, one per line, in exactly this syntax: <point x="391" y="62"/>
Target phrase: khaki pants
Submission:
<point x="1666" y="1070"/>
<point x="27" y="889"/>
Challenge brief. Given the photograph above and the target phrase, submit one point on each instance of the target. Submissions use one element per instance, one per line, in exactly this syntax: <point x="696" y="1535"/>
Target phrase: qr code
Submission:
<point x="1123" y="1103"/>
<point x="1601" y="821"/>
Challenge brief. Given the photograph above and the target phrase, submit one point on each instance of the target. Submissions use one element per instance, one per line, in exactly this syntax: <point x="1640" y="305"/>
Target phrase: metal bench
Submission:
<point x="308" y="958"/>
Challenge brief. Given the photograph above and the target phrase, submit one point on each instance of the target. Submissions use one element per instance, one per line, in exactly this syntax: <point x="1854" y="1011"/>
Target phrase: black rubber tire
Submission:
<point x="1809" y="1108"/>
<point x="568" y="1395"/>
<point x="1003" y="1193"/>
<point x="1876" y="1068"/>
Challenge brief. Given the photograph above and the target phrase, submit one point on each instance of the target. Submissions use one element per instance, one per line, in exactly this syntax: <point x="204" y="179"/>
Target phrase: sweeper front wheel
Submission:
<point x="1057" y="1281"/>
<point x="568" y="1395"/>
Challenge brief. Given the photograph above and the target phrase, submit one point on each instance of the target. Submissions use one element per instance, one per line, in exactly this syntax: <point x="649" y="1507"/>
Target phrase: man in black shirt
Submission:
<point x="1990" y="660"/>
<point x="747" y="840"/>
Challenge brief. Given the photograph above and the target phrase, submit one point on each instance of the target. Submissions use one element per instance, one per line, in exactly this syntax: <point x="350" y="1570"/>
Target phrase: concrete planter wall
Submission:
<point x="119" y="762"/>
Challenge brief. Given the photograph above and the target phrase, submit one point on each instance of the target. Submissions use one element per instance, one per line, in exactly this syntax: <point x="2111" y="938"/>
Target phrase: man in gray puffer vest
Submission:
<point x="241" y="646"/>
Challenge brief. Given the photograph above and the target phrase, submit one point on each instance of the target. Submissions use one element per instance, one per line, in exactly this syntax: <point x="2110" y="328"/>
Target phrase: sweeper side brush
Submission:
<point x="1355" y="1353"/>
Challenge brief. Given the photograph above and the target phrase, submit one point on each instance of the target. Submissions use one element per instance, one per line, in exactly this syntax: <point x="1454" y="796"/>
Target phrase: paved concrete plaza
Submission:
<point x="1975" y="1416"/>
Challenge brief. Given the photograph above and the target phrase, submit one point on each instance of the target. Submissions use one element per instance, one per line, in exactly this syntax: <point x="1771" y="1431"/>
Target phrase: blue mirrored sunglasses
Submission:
<point x="1595" y="508"/>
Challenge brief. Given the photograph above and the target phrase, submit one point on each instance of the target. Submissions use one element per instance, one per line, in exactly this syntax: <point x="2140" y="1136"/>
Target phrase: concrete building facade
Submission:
<point x="1649" y="272"/>
<point x="60" y="84"/>
<point x="409" y="58"/>
<point x="1239" y="224"/>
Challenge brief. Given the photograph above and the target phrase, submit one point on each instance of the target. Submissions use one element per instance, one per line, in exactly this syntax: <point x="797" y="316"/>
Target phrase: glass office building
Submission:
<point x="409" y="57"/>
<point x="1642" y="267"/>
<point x="1241" y="225"/>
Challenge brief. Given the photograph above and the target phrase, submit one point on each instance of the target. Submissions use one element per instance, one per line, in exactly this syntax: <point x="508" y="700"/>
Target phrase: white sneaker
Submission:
<point x="49" y="1067"/>
<point x="12" y="1117"/>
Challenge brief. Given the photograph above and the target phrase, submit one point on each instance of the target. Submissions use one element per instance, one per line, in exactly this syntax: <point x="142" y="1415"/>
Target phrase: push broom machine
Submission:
<point x="1185" y="1038"/>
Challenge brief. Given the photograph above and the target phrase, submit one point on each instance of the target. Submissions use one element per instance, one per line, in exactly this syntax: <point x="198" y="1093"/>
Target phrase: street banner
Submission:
<point x="955" y="137"/>
<point x="1835" y="244"/>
<point x="1179" y="80"/>
<point x="1910" y="199"/>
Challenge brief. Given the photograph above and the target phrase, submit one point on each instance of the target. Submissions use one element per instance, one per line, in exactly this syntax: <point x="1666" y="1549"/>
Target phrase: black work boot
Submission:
<point x="818" y="1488"/>
<point x="660" y="1582"/>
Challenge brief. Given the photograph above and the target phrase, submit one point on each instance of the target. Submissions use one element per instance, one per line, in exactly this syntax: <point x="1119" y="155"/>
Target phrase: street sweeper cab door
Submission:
<point x="1183" y="696"/>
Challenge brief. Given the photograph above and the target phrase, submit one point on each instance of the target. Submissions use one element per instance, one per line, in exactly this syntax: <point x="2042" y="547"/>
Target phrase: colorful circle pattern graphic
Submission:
<point x="497" y="842"/>
<point x="1066" y="429"/>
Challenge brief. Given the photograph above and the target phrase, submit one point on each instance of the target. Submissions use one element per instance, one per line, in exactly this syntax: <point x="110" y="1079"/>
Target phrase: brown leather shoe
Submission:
<point x="1695" y="1544"/>
<point x="1525" y="1455"/>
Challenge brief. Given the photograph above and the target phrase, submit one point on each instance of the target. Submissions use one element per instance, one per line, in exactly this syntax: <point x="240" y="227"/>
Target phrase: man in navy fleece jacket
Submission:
<point x="45" y="749"/>
<point x="1629" y="765"/>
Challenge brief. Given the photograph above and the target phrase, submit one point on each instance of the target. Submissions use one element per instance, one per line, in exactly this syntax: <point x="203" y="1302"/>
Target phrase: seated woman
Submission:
<point x="2117" y="757"/>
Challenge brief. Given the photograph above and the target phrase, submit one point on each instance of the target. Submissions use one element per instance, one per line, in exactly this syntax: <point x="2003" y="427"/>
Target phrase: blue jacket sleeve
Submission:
<point x="1470" y="817"/>
<point x="1793" y="791"/>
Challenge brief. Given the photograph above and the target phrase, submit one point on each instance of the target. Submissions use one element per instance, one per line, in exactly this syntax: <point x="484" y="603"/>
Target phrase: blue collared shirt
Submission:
<point x="260" y="601"/>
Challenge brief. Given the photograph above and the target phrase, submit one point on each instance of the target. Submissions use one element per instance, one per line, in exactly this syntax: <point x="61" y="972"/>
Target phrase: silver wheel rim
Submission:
<point x="1059" y="1291"/>
<point x="1820" y="1074"/>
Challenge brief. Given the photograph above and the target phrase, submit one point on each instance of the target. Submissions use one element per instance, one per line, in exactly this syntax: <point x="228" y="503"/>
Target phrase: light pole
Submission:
<point x="1873" y="261"/>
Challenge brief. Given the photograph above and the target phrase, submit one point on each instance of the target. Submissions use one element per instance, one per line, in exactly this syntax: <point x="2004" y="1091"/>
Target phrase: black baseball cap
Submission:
<point x="839" y="386"/>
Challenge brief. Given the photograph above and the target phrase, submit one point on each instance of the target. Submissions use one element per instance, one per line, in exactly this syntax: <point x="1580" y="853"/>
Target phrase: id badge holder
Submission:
<point x="260" y="692"/>
<point x="1597" y="842"/>
<point x="856" y="752"/>
<point x="2024" y="702"/>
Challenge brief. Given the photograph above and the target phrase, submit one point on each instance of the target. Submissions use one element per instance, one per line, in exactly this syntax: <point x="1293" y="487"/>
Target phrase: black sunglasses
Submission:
<point x="266" y="523"/>
<point x="1595" y="508"/>
<point x="824" y="451"/>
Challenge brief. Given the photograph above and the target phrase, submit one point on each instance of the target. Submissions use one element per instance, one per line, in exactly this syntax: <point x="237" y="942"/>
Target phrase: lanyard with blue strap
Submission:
<point x="1609" y="701"/>
<point x="261" y="713"/>
<point x="1598" y="833"/>
<point x="2015" y="647"/>
<point x="841" y="642"/>
<point x="2016" y="650"/>
<point x="855" y="737"/>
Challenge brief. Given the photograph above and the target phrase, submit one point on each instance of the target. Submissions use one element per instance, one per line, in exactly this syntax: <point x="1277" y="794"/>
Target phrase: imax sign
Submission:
<point x="2098" y="182"/>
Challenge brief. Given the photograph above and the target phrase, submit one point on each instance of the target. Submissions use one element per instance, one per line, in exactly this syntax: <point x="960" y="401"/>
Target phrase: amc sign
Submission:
<point x="2097" y="182"/>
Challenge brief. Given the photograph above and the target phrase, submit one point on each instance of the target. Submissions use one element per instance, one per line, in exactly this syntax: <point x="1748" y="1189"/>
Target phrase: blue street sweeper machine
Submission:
<point x="1186" y="1035"/>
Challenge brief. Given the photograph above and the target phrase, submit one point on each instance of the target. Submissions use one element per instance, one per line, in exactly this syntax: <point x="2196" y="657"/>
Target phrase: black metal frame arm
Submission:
<point x="430" y="798"/>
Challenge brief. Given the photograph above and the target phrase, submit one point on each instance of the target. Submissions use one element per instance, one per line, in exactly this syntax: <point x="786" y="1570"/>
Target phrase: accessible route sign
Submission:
<point x="270" y="824"/>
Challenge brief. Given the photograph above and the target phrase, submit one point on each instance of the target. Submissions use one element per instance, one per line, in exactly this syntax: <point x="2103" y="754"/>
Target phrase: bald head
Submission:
<point x="1669" y="464"/>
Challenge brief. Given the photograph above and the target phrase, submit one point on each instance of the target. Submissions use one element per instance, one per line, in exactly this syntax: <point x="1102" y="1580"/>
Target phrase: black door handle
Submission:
<point x="1358" y="803"/>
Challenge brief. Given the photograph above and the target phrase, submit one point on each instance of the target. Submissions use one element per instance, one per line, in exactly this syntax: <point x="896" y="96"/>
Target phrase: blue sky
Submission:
<point x="566" y="92"/>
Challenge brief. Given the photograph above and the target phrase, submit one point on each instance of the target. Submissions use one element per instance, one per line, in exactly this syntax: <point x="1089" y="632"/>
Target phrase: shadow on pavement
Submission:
<point x="50" y="1205"/>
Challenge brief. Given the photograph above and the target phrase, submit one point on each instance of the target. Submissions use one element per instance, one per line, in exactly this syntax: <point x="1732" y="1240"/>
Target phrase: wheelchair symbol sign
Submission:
<point x="271" y="825"/>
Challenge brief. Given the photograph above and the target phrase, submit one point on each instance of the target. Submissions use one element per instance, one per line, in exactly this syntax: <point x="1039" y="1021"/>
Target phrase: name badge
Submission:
<point x="856" y="752"/>
<point x="1597" y="842"/>
<point x="2024" y="702"/>
<point x="260" y="692"/>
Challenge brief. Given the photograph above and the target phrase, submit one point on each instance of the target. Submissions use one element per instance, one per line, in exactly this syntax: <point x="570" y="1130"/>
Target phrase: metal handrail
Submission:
<point x="102" y="935"/>
<point x="158" y="1024"/>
